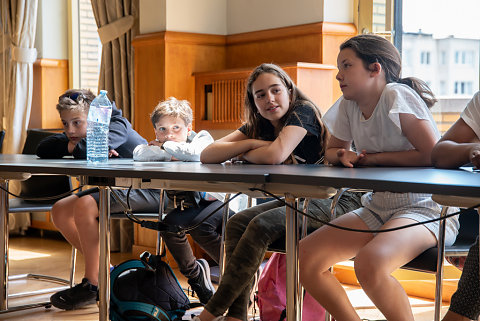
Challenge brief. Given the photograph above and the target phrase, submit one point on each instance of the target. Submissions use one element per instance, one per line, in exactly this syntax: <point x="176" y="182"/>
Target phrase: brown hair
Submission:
<point x="254" y="121"/>
<point x="75" y="100"/>
<point x="172" y="107"/>
<point x="372" y="48"/>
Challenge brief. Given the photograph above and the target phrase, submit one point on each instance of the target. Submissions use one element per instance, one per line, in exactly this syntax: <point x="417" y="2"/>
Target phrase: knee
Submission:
<point x="311" y="265"/>
<point x="85" y="211"/>
<point x="61" y="211"/>
<point x="369" y="268"/>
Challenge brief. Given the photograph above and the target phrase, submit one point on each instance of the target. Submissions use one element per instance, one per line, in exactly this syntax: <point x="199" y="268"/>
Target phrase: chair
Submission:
<point x="39" y="186"/>
<point x="432" y="260"/>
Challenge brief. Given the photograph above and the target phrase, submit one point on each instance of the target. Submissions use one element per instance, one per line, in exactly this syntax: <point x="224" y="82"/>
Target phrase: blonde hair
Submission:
<point x="172" y="107"/>
<point x="75" y="100"/>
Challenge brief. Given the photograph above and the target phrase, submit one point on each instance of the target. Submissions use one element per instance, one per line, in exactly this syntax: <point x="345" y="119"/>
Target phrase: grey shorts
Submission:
<point x="380" y="207"/>
<point x="141" y="200"/>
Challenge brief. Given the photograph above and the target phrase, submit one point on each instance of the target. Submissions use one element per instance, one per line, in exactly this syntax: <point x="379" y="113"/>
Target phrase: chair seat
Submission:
<point x="141" y="216"/>
<point x="18" y="205"/>
<point x="456" y="201"/>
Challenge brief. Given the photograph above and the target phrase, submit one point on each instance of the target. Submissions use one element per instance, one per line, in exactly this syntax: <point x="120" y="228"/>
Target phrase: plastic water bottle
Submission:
<point x="98" y="121"/>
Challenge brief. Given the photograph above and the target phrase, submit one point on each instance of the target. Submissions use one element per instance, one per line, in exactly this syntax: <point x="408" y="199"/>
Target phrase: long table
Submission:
<point x="292" y="180"/>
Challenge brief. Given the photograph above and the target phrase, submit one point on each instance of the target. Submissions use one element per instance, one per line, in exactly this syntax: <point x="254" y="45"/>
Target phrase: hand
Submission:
<point x="349" y="158"/>
<point x="474" y="155"/>
<point x="71" y="146"/>
<point x="367" y="159"/>
<point x="155" y="143"/>
<point x="112" y="153"/>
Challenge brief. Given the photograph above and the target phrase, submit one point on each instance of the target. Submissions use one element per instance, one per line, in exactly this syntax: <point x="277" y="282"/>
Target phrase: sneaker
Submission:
<point x="202" y="285"/>
<point x="80" y="295"/>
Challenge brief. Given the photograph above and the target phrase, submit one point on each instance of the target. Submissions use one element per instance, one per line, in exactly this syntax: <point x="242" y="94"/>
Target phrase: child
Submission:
<point x="460" y="145"/>
<point x="76" y="215"/>
<point x="282" y="125"/>
<point x="389" y="122"/>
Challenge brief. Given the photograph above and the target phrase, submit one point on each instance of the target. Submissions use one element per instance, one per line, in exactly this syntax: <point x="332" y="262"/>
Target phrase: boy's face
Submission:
<point x="74" y="124"/>
<point x="170" y="128"/>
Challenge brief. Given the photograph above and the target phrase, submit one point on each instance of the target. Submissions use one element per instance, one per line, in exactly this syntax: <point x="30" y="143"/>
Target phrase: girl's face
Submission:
<point x="169" y="128"/>
<point x="74" y="124"/>
<point x="353" y="77"/>
<point x="271" y="97"/>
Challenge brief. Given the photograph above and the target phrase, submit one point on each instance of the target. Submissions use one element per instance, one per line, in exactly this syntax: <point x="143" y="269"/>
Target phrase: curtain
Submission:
<point x="117" y="22"/>
<point x="18" y="21"/>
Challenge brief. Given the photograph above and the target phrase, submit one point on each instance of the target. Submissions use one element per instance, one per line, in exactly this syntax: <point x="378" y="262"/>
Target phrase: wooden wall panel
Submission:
<point x="50" y="80"/>
<point x="164" y="67"/>
<point x="149" y="79"/>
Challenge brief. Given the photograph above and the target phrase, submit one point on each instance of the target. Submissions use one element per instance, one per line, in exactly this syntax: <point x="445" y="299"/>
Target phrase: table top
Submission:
<point x="394" y="179"/>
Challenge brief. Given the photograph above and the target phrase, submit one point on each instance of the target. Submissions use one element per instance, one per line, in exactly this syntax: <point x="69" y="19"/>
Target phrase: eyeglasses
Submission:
<point x="76" y="96"/>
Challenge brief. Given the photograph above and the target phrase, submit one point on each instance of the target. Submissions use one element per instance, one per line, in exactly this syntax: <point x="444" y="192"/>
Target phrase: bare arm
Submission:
<point x="458" y="146"/>
<point x="420" y="134"/>
<point x="279" y="150"/>
<point x="228" y="147"/>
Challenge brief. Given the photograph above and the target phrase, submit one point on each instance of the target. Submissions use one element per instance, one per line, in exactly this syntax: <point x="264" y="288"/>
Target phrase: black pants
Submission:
<point x="466" y="300"/>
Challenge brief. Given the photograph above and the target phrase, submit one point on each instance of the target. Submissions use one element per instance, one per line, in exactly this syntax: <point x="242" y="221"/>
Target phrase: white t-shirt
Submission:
<point x="381" y="132"/>
<point x="471" y="114"/>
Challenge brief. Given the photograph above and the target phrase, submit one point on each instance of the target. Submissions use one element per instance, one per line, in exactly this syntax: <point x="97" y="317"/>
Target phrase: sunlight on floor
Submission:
<point x="19" y="255"/>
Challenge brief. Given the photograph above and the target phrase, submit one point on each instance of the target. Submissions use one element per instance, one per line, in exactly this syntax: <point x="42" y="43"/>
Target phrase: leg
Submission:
<point x="85" y="216"/>
<point x="317" y="256"/>
<point x="374" y="264"/>
<point x="244" y="253"/>
<point x="63" y="219"/>
<point x="465" y="303"/>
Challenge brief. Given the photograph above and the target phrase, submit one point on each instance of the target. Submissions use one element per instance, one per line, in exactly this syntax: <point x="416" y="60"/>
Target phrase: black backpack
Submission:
<point x="146" y="289"/>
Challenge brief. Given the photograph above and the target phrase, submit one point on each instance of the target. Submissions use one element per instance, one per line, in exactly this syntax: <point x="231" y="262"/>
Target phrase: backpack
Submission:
<point x="271" y="295"/>
<point x="184" y="199"/>
<point x="146" y="289"/>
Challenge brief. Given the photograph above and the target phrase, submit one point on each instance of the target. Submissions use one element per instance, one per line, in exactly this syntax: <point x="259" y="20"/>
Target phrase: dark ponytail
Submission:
<point x="372" y="48"/>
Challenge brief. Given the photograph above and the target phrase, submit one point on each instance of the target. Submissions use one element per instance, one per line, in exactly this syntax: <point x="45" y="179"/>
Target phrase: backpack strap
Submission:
<point x="150" y="310"/>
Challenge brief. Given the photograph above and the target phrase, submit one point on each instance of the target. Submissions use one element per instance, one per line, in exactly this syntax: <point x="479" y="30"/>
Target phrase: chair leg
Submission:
<point x="221" y="262"/>
<point x="440" y="260"/>
<point x="160" y="242"/>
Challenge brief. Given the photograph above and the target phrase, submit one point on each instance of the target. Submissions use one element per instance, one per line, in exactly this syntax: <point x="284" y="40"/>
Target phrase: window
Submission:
<point x="425" y="58"/>
<point x="85" y="47"/>
<point x="446" y="48"/>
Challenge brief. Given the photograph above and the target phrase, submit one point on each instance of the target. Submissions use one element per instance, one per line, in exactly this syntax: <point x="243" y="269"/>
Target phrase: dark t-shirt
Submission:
<point x="308" y="150"/>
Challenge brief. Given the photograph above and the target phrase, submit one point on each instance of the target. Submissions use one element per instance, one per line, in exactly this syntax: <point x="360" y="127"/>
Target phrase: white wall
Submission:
<point x="152" y="16"/>
<point x="225" y="17"/>
<point x="205" y="16"/>
<point x="253" y="15"/>
<point x="51" y="39"/>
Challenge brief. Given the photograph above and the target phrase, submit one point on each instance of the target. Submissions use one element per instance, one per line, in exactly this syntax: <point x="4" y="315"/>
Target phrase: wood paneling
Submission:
<point x="50" y="80"/>
<point x="164" y="67"/>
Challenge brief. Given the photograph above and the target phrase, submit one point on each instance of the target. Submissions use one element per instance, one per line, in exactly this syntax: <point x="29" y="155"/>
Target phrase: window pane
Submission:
<point x="442" y="48"/>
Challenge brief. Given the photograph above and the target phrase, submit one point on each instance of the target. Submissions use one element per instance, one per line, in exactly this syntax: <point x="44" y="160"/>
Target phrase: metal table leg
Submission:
<point x="4" y="245"/>
<point x="294" y="312"/>
<point x="104" y="265"/>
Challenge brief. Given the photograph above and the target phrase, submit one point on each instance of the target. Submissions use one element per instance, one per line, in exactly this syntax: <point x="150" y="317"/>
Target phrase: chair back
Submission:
<point x="38" y="186"/>
<point x="2" y="136"/>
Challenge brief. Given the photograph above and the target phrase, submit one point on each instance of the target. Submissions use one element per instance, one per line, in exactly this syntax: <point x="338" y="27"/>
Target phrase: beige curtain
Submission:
<point x="18" y="20"/>
<point x="117" y="22"/>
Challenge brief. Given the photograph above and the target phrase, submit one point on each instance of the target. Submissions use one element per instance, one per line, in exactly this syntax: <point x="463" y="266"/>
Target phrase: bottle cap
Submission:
<point x="103" y="92"/>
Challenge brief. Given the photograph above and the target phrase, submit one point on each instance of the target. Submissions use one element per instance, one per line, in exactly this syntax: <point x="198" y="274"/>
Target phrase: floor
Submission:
<point x="51" y="255"/>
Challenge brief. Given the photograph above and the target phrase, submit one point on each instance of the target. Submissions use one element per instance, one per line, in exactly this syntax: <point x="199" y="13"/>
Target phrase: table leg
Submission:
<point x="294" y="312"/>
<point x="221" y="263"/>
<point x="4" y="245"/>
<point x="104" y="263"/>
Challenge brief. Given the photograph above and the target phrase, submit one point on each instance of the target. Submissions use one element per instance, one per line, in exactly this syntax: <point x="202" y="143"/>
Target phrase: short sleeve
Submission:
<point x="471" y="114"/>
<point x="404" y="100"/>
<point x="243" y="129"/>
<point x="337" y="120"/>
<point x="304" y="116"/>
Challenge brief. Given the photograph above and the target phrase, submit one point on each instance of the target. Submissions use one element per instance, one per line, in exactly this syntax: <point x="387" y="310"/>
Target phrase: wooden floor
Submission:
<point x="51" y="255"/>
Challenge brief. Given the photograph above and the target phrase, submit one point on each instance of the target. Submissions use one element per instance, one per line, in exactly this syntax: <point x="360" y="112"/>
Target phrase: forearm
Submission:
<point x="449" y="154"/>
<point x="265" y="155"/>
<point x="219" y="152"/>
<point x="411" y="157"/>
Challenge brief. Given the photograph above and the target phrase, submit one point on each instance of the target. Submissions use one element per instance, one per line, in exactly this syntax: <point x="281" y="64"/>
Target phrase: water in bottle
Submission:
<point x="98" y="121"/>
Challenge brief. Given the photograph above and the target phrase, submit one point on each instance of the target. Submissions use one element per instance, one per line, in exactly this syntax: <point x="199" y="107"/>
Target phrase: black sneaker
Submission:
<point x="80" y="295"/>
<point x="202" y="285"/>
